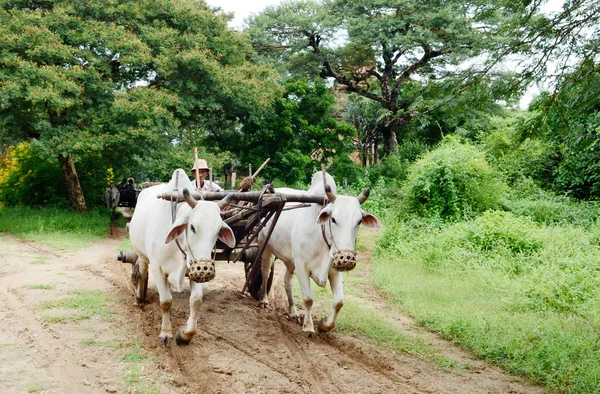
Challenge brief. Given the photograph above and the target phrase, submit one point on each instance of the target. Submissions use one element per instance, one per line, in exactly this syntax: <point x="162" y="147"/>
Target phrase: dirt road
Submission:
<point x="52" y="346"/>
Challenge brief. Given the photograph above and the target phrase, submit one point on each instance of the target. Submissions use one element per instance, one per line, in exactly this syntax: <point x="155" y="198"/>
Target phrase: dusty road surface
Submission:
<point x="68" y="325"/>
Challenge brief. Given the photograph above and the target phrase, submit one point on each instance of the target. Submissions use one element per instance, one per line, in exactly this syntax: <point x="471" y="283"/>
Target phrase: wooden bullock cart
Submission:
<point x="248" y="214"/>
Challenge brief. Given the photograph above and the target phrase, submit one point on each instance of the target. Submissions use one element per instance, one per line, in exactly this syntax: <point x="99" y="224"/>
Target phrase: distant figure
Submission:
<point x="201" y="167"/>
<point x="111" y="197"/>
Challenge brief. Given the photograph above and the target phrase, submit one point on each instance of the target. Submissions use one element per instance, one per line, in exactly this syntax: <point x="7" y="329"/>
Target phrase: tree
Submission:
<point x="377" y="49"/>
<point x="119" y="78"/>
<point x="570" y="120"/>
<point x="297" y="133"/>
<point x="554" y="49"/>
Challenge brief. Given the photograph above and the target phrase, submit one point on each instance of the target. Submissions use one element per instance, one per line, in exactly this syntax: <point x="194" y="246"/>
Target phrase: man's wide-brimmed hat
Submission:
<point x="200" y="164"/>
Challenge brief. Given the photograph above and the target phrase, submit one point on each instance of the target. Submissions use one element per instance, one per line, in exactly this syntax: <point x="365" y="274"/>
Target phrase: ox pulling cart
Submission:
<point x="249" y="213"/>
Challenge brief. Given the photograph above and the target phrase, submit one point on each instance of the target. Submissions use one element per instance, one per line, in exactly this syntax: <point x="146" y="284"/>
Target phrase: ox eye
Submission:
<point x="333" y="220"/>
<point x="192" y="228"/>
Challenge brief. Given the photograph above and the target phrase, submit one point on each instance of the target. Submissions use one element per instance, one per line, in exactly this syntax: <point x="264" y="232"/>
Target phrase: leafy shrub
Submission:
<point x="501" y="230"/>
<point x="528" y="199"/>
<point x="28" y="179"/>
<point x="344" y="167"/>
<point x="452" y="182"/>
<point x="531" y="158"/>
<point x="25" y="179"/>
<point x="562" y="290"/>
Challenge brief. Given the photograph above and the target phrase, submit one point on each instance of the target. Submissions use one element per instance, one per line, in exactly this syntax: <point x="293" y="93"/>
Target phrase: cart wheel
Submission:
<point x="255" y="283"/>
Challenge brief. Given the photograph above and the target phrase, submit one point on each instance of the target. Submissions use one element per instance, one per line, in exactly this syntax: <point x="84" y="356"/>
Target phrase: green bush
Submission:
<point x="531" y="158"/>
<point x="501" y="230"/>
<point x="527" y="199"/>
<point x="26" y="178"/>
<point x="452" y="182"/>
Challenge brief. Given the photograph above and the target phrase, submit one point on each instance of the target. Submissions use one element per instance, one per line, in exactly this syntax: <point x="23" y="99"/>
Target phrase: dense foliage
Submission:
<point x="403" y="55"/>
<point x="297" y="133"/>
<point x="119" y="78"/>
<point x="452" y="182"/>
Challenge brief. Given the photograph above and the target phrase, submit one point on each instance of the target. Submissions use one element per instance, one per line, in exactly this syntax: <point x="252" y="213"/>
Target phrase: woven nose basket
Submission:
<point x="344" y="260"/>
<point x="202" y="270"/>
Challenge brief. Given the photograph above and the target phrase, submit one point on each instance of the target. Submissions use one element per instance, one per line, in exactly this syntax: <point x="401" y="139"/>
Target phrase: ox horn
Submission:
<point x="330" y="196"/>
<point x="188" y="198"/>
<point x="362" y="197"/>
<point x="226" y="200"/>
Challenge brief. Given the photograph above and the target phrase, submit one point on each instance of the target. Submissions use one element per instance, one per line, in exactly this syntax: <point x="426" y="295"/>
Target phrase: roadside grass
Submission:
<point x="61" y="229"/>
<point x="40" y="287"/>
<point x="80" y="305"/>
<point x="358" y="317"/>
<point x="33" y="388"/>
<point x="515" y="290"/>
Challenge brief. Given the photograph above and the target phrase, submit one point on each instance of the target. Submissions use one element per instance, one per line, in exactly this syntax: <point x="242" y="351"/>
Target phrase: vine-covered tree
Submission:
<point x="119" y="77"/>
<point x="377" y="48"/>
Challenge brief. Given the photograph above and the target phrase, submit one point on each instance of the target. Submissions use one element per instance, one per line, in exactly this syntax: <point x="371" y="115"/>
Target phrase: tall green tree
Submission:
<point x="297" y="133"/>
<point x="119" y="77"/>
<point x="378" y="48"/>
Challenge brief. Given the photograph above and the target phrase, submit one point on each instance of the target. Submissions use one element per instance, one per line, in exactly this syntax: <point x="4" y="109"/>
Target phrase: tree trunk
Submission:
<point x="390" y="141"/>
<point x="74" y="191"/>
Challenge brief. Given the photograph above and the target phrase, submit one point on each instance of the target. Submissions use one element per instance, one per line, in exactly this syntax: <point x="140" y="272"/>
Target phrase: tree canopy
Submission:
<point x="119" y="77"/>
<point x="381" y="49"/>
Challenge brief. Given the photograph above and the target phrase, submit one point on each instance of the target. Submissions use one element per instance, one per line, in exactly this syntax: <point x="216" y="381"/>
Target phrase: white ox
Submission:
<point x="195" y="225"/>
<point x="311" y="241"/>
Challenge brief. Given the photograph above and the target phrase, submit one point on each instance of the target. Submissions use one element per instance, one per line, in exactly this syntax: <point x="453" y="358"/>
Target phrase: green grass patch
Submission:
<point x="62" y="229"/>
<point x="137" y="354"/>
<point x="133" y="375"/>
<point x="40" y="287"/>
<point x="80" y="305"/>
<point x="112" y="343"/>
<point x="40" y="261"/>
<point x="33" y="388"/>
<point x="514" y="290"/>
<point x="125" y="244"/>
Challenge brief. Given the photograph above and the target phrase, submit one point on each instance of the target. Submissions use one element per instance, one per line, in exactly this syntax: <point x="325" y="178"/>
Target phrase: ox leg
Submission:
<point x="183" y="337"/>
<point x="267" y="263"/>
<point x="139" y="277"/>
<point x="292" y="311"/>
<point x="307" y="297"/>
<point x="164" y="294"/>
<point x="335" y="281"/>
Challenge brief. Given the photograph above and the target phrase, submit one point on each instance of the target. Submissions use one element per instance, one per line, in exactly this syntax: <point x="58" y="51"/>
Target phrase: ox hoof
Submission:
<point x="179" y="340"/>
<point x="263" y="304"/>
<point x="311" y="334"/>
<point x="297" y="319"/>
<point x="139" y="302"/>
<point x="324" y="327"/>
<point x="166" y="339"/>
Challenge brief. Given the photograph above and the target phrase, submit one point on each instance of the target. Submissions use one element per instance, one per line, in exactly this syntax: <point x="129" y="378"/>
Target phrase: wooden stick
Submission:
<point x="324" y="177"/>
<point x="261" y="167"/>
<point x="233" y="175"/>
<point x="196" y="172"/>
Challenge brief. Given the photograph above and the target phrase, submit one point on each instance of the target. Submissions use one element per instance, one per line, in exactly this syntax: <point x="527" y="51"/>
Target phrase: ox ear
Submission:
<point x="324" y="214"/>
<point x="370" y="220"/>
<point x="176" y="229"/>
<point x="226" y="236"/>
